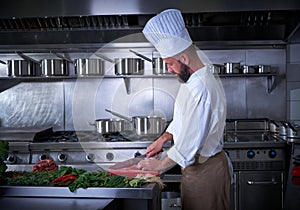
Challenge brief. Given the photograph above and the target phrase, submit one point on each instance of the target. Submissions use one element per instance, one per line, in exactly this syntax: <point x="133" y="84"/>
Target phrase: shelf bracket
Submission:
<point x="127" y="84"/>
<point x="271" y="83"/>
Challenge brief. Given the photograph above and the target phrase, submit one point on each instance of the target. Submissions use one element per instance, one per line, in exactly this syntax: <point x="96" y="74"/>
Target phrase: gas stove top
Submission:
<point x="89" y="136"/>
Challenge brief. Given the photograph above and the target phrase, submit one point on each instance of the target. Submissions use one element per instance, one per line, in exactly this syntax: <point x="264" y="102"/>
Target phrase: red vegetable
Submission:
<point x="45" y="165"/>
<point x="64" y="180"/>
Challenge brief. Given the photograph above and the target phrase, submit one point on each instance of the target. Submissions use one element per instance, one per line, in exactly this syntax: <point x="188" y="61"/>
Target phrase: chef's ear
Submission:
<point x="184" y="58"/>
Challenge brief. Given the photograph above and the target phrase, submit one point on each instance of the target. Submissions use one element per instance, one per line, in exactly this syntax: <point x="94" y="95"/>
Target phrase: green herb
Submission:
<point x="72" y="178"/>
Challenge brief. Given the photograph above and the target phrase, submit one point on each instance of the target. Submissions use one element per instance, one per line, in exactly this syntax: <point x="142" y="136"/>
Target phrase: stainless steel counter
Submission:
<point x="55" y="203"/>
<point x="147" y="197"/>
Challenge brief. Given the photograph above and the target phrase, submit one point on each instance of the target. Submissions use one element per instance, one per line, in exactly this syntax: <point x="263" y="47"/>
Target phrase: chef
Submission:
<point x="198" y="119"/>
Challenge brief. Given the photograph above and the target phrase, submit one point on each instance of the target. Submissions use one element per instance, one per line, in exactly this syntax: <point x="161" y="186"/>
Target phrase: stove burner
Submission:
<point x="81" y="136"/>
<point x="64" y="136"/>
<point x="58" y="136"/>
<point x="114" y="137"/>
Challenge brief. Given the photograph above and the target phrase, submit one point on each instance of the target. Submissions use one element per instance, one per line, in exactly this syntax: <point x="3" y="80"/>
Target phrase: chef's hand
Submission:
<point x="157" y="145"/>
<point x="149" y="165"/>
<point x="154" y="148"/>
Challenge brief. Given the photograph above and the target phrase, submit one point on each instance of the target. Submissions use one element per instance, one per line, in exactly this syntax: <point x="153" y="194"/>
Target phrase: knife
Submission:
<point x="129" y="162"/>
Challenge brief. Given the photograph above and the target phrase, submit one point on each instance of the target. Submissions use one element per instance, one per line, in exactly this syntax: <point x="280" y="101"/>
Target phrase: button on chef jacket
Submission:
<point x="199" y="118"/>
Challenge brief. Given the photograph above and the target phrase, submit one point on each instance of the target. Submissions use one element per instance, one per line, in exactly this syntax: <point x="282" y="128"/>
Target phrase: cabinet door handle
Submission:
<point x="262" y="183"/>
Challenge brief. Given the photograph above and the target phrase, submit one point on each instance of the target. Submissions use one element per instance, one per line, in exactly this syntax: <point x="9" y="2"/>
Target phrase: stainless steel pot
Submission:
<point x="216" y="68"/>
<point x="22" y="68"/>
<point x="232" y="68"/>
<point x="55" y="67"/>
<point x="129" y="66"/>
<point x="282" y="129"/>
<point x="144" y="125"/>
<point x="264" y="69"/>
<point x="292" y="131"/>
<point x="89" y="67"/>
<point x="249" y="69"/>
<point x="273" y="126"/>
<point x="159" y="67"/>
<point x="148" y="125"/>
<point x="105" y="126"/>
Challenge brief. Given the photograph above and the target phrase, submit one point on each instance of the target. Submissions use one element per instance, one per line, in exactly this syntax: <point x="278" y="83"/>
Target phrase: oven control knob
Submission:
<point x="250" y="154"/>
<point x="90" y="157"/>
<point x="272" y="153"/>
<point x="43" y="157"/>
<point x="11" y="159"/>
<point x="110" y="156"/>
<point x="62" y="157"/>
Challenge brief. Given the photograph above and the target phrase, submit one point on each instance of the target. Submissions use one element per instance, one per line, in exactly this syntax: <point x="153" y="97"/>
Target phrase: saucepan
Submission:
<point x="129" y="66"/>
<point x="25" y="67"/>
<point x="89" y="66"/>
<point x="292" y="130"/>
<point x="158" y="65"/>
<point x="232" y="68"/>
<point x="144" y="125"/>
<point x="56" y="67"/>
<point x="106" y="126"/>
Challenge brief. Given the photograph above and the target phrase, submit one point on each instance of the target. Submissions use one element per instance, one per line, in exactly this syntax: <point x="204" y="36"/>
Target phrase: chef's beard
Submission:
<point x="184" y="74"/>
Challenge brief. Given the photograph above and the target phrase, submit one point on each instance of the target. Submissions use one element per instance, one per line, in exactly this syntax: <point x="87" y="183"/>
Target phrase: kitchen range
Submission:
<point x="258" y="158"/>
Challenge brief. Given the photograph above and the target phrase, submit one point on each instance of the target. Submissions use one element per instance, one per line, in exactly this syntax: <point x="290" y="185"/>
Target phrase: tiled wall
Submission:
<point x="293" y="83"/>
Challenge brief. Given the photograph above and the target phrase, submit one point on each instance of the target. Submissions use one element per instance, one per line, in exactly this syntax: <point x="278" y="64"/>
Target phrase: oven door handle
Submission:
<point x="249" y="182"/>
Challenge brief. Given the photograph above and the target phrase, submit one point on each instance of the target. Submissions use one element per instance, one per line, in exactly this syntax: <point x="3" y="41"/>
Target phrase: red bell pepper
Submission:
<point x="64" y="181"/>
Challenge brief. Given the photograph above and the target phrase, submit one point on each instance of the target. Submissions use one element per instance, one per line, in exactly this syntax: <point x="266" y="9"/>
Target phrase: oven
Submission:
<point x="258" y="158"/>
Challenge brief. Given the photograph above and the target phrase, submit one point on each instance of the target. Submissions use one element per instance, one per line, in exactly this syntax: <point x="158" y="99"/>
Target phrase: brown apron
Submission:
<point x="206" y="186"/>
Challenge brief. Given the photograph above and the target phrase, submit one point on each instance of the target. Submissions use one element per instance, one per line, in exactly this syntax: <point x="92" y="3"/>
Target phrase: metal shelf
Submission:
<point x="270" y="78"/>
<point x="11" y="81"/>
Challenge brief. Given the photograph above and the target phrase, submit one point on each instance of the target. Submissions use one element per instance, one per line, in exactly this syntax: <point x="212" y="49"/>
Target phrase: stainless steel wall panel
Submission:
<point x="235" y="92"/>
<point x="83" y="102"/>
<point x="33" y="105"/>
<point x="137" y="102"/>
<point x="69" y="86"/>
<point x="164" y="92"/>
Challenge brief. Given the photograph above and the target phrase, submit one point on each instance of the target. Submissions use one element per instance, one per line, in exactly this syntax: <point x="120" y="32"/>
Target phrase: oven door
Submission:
<point x="260" y="190"/>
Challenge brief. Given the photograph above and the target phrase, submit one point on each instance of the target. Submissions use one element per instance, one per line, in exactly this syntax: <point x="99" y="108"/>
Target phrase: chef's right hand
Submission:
<point x="156" y="146"/>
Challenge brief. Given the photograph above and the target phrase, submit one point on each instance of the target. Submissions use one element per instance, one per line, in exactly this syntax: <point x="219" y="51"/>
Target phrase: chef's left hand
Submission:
<point x="149" y="165"/>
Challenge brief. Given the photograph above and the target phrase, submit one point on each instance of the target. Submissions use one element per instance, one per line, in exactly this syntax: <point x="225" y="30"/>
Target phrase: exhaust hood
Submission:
<point x="94" y="22"/>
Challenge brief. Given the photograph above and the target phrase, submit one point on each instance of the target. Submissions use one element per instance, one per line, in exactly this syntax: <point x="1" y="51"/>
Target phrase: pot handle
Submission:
<point x="104" y="58"/>
<point x="141" y="56"/>
<point x="119" y="115"/>
<point x="291" y="127"/>
<point x="92" y="124"/>
<point x="63" y="57"/>
<point x="3" y="62"/>
<point x="27" y="58"/>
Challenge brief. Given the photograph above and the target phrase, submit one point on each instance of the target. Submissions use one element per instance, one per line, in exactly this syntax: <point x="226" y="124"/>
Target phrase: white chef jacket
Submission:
<point x="199" y="118"/>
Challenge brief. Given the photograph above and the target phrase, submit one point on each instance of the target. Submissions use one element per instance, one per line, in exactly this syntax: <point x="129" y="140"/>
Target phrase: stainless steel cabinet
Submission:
<point x="260" y="190"/>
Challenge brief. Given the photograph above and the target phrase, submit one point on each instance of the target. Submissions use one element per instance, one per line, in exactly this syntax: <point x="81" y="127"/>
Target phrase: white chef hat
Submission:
<point x="167" y="32"/>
